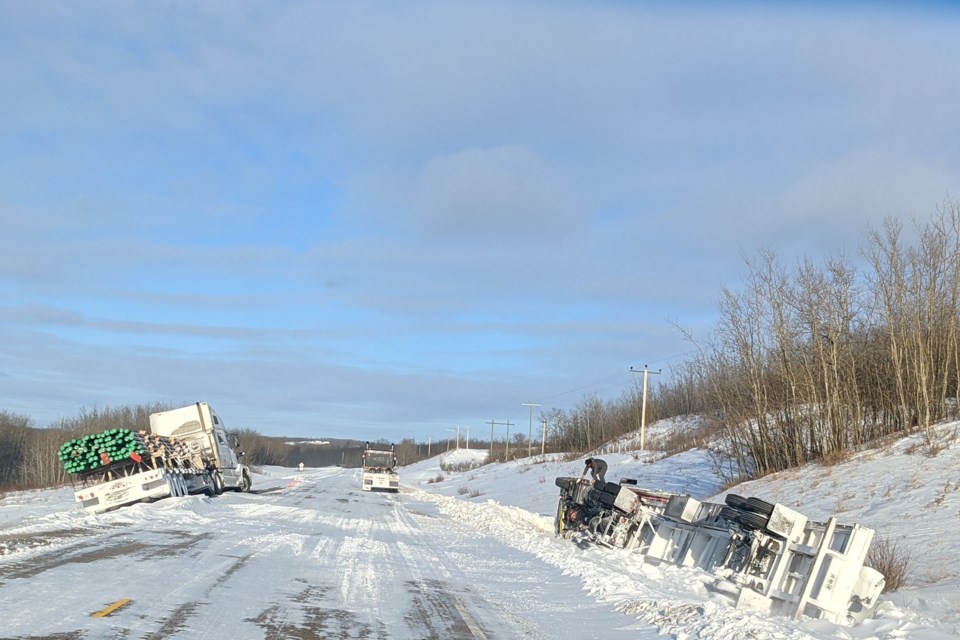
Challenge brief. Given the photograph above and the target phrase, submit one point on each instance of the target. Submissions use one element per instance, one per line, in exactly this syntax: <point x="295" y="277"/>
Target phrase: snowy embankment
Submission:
<point x="910" y="497"/>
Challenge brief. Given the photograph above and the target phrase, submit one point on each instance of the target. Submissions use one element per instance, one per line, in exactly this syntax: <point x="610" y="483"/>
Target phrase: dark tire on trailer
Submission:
<point x="558" y="520"/>
<point x="217" y="483"/>
<point x="729" y="514"/>
<point x="735" y="501"/>
<point x="759" y="506"/>
<point x="754" y="520"/>
<point x="245" y="483"/>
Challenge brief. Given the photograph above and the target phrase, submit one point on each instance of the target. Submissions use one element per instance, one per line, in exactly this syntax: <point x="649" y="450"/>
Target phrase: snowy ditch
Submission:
<point x="899" y="494"/>
<point x="675" y="600"/>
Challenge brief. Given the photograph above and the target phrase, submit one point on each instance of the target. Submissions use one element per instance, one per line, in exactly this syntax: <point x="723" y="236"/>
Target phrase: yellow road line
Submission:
<point x="116" y="605"/>
<point x="468" y="620"/>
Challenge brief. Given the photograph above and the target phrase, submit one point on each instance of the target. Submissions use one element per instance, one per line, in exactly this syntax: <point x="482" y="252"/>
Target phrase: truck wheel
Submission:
<point x="217" y="483"/>
<point x="753" y="520"/>
<point x="735" y="501"/>
<point x="729" y="514"/>
<point x="244" y="483"/>
<point x="211" y="487"/>
<point x="759" y="506"/>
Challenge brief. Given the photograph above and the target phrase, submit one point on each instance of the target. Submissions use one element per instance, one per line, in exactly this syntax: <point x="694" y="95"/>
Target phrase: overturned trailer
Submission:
<point x="766" y="557"/>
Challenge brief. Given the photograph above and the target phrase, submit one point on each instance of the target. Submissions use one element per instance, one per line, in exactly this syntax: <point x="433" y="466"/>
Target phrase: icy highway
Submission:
<point x="305" y="555"/>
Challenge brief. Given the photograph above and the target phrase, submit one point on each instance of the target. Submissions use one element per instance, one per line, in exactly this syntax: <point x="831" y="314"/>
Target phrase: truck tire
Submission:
<point x="753" y="520"/>
<point x="217" y="483"/>
<point x="735" y="501"/>
<point x="174" y="486"/>
<point x="729" y="514"/>
<point x="244" y="485"/>
<point x="759" y="506"/>
<point x="211" y="487"/>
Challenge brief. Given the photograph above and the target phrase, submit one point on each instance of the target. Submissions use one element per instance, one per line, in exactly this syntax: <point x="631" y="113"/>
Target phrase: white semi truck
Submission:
<point x="187" y="451"/>
<point x="378" y="470"/>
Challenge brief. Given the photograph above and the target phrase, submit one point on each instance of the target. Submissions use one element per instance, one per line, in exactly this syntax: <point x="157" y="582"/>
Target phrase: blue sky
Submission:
<point x="385" y="220"/>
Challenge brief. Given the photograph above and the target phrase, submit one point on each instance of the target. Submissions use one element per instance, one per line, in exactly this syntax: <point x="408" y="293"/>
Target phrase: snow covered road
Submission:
<point x="306" y="555"/>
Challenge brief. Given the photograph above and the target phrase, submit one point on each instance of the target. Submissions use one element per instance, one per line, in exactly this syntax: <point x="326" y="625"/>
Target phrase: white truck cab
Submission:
<point x="378" y="470"/>
<point x="201" y="428"/>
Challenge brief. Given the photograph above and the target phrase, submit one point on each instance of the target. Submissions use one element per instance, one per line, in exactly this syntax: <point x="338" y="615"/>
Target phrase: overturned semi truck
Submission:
<point x="766" y="557"/>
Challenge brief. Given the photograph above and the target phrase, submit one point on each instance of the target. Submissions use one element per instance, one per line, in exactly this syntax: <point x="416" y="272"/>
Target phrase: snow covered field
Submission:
<point x="471" y="555"/>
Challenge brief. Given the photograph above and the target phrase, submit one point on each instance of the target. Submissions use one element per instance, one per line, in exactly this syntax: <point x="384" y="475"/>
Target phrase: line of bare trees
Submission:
<point x="808" y="363"/>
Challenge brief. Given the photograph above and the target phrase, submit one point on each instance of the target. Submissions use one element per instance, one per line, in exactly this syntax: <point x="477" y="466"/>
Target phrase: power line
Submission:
<point x="609" y="377"/>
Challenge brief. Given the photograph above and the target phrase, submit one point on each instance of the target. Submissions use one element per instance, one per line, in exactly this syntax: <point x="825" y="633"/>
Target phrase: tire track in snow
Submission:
<point x="434" y="599"/>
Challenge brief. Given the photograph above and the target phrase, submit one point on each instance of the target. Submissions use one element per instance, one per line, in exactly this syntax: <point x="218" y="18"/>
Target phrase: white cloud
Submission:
<point x="495" y="193"/>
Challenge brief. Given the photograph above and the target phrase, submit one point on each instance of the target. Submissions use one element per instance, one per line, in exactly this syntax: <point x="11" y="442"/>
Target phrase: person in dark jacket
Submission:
<point x="597" y="469"/>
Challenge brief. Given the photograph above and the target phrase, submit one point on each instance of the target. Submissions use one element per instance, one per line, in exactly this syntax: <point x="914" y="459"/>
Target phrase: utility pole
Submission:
<point x="429" y="440"/>
<point x="530" y="430"/>
<point x="492" y="424"/>
<point x="468" y="436"/>
<point x="643" y="410"/>
<point x="543" y="442"/>
<point x="506" y="455"/>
